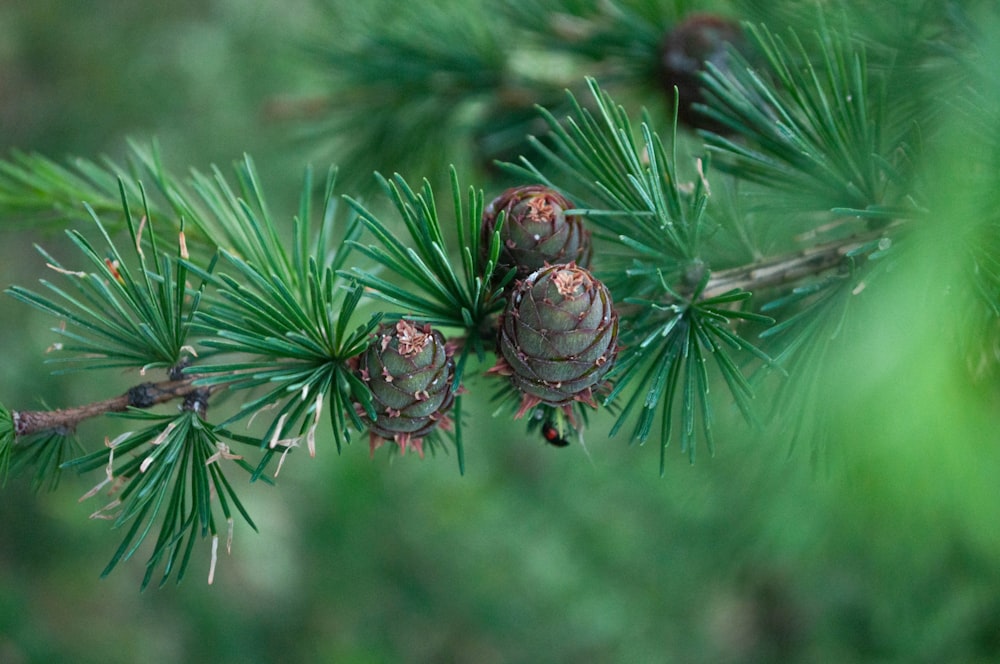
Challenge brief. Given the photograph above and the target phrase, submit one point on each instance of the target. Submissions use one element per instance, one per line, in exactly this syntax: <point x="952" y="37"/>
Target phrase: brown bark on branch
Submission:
<point x="144" y="395"/>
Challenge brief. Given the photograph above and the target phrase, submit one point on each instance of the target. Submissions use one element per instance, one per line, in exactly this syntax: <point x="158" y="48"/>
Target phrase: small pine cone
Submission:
<point x="537" y="232"/>
<point x="409" y="370"/>
<point x="558" y="337"/>
<point x="698" y="39"/>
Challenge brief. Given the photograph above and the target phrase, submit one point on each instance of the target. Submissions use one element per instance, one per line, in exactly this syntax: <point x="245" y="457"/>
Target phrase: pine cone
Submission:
<point x="698" y="39"/>
<point x="409" y="370"/>
<point x="558" y="337"/>
<point x="537" y="232"/>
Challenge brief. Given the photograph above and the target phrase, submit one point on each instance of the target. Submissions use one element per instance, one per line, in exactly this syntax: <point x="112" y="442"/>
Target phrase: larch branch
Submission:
<point x="144" y="395"/>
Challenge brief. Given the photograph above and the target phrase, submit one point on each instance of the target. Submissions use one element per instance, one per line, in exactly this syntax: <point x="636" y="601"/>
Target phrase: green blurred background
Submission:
<point x="886" y="551"/>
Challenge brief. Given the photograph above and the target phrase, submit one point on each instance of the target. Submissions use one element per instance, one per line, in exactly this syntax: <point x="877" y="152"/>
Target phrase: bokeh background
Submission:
<point x="886" y="549"/>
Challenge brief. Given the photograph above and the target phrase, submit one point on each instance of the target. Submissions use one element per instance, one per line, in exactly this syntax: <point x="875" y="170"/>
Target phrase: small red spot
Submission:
<point x="552" y="435"/>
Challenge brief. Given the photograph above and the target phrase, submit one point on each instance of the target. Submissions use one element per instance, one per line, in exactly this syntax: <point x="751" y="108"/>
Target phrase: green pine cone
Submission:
<point x="409" y="370"/>
<point x="537" y="232"/>
<point x="558" y="336"/>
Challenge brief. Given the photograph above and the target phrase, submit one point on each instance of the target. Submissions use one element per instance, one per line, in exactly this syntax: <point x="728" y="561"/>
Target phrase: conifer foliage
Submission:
<point x="639" y="280"/>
